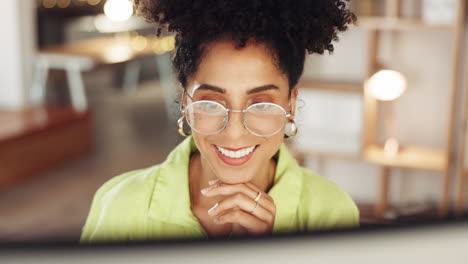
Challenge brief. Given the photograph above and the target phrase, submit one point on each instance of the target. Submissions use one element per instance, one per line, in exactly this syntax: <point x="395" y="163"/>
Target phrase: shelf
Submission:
<point x="331" y="155"/>
<point x="301" y="153"/>
<point x="408" y="157"/>
<point x="386" y="23"/>
<point x="355" y="87"/>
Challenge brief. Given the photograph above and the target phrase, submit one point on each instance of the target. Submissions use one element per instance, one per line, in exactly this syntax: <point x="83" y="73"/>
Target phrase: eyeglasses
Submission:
<point x="210" y="118"/>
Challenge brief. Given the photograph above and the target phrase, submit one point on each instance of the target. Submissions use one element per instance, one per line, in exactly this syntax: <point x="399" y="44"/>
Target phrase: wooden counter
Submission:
<point x="33" y="140"/>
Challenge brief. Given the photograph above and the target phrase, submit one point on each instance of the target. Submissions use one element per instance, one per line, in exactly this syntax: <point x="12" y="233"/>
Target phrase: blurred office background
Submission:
<point x="87" y="93"/>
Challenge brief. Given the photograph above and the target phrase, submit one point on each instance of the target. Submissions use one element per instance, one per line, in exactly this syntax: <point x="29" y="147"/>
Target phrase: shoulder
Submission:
<point x="120" y="205"/>
<point x="320" y="189"/>
<point x="129" y="184"/>
<point x="325" y="205"/>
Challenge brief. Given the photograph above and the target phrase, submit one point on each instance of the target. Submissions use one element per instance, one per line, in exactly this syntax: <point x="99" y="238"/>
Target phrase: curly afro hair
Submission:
<point x="288" y="28"/>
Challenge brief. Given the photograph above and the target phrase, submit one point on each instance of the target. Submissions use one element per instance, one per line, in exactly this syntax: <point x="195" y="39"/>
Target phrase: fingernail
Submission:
<point x="210" y="212"/>
<point x="213" y="182"/>
<point x="205" y="190"/>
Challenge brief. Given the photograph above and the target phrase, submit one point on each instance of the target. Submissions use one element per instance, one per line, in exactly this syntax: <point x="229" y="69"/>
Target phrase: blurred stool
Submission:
<point x="73" y="66"/>
<point x="80" y="56"/>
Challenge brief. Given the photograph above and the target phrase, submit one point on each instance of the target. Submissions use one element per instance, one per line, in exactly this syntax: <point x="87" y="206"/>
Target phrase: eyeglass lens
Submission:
<point x="262" y="119"/>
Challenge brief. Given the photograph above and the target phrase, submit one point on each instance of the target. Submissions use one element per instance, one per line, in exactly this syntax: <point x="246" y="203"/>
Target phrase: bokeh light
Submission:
<point x="49" y="3"/>
<point x="139" y="43"/>
<point x="93" y="2"/>
<point x="63" y="3"/>
<point x="118" y="10"/>
<point x="387" y="85"/>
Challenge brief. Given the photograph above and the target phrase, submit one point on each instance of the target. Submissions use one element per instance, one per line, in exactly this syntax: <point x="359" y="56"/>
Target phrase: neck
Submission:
<point x="200" y="173"/>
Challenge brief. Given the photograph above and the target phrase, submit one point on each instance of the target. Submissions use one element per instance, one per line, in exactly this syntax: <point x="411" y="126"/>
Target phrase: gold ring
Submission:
<point x="258" y="196"/>
<point x="256" y="205"/>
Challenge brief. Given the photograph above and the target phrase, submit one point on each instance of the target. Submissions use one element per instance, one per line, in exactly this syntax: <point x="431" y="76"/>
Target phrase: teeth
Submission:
<point x="236" y="154"/>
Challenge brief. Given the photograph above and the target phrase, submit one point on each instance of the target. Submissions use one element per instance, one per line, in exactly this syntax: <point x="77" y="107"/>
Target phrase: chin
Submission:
<point x="235" y="176"/>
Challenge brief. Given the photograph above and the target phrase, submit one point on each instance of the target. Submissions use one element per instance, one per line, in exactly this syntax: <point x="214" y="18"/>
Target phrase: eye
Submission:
<point x="209" y="107"/>
<point x="261" y="99"/>
<point x="262" y="107"/>
<point x="212" y="99"/>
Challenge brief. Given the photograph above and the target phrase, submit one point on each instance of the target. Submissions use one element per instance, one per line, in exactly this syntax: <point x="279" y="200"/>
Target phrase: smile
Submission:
<point x="235" y="157"/>
<point x="236" y="154"/>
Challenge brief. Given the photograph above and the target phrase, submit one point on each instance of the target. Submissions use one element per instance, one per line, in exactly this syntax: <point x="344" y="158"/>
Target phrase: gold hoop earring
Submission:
<point x="180" y="127"/>
<point x="290" y="130"/>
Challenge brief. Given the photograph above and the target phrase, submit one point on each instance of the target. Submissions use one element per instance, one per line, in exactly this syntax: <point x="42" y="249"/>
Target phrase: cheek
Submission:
<point x="272" y="145"/>
<point x="200" y="141"/>
<point x="205" y="146"/>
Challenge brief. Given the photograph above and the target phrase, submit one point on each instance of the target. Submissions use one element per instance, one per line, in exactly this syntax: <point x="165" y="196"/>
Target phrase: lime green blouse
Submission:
<point x="154" y="203"/>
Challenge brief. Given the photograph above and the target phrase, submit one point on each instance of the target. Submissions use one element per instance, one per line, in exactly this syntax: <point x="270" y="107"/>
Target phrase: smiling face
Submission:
<point x="238" y="78"/>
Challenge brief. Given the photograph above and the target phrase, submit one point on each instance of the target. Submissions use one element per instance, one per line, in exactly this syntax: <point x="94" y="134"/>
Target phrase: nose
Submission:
<point x="235" y="127"/>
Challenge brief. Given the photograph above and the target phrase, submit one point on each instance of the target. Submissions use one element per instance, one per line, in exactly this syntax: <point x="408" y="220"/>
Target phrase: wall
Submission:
<point x="17" y="48"/>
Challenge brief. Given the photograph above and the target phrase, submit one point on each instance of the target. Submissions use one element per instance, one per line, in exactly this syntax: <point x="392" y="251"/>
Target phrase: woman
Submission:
<point x="238" y="63"/>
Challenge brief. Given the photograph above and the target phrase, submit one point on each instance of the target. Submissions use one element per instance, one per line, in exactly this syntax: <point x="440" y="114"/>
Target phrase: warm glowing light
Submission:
<point x="157" y="46"/>
<point x="118" y="52"/>
<point x="391" y="147"/>
<point x="49" y="3"/>
<point x="168" y="43"/>
<point x="63" y="3"/>
<point x="93" y="2"/>
<point x="118" y="10"/>
<point x="139" y="43"/>
<point x="165" y="44"/>
<point x="387" y="85"/>
<point x="80" y="2"/>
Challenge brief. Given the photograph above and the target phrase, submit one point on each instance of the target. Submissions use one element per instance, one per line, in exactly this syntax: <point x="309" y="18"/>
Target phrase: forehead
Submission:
<point x="237" y="70"/>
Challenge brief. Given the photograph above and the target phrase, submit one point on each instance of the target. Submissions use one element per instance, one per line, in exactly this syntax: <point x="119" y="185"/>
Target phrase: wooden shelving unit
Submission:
<point x="411" y="156"/>
<point x="416" y="157"/>
<point x="460" y="200"/>
<point x="301" y="154"/>
<point x="462" y="169"/>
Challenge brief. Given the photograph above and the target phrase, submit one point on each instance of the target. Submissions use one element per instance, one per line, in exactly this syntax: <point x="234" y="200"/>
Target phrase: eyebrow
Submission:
<point x="217" y="89"/>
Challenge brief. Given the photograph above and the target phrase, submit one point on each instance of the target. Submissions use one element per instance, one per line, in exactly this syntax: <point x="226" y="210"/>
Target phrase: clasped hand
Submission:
<point x="236" y="208"/>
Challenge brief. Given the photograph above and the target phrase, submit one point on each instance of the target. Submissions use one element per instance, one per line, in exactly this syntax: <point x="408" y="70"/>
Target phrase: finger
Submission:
<point x="248" y="221"/>
<point x="251" y="185"/>
<point x="213" y="182"/>
<point x="240" y="200"/>
<point x="212" y="186"/>
<point x="230" y="189"/>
